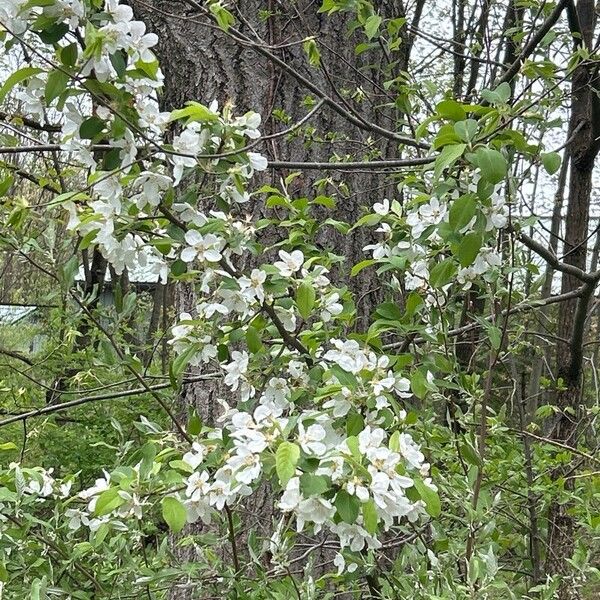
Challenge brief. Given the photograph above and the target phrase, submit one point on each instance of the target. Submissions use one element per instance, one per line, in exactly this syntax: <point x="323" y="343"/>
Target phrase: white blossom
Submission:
<point x="311" y="439"/>
<point x="290" y="263"/>
<point x="205" y="248"/>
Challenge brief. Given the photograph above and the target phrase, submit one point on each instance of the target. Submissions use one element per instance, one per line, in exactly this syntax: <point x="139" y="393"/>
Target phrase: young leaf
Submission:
<point x="447" y="157"/>
<point x="461" y="212"/>
<point x="17" y="77"/>
<point x="551" y="162"/>
<point x="370" y="517"/>
<point x="372" y="26"/>
<point x="305" y="299"/>
<point x="347" y="506"/>
<point x="469" y="248"/>
<point x="492" y="164"/>
<point x="442" y="273"/>
<point x="174" y="513"/>
<point x="286" y="459"/>
<point x="312" y="52"/>
<point x="430" y="497"/>
<point x="56" y="85"/>
<point x="451" y="109"/>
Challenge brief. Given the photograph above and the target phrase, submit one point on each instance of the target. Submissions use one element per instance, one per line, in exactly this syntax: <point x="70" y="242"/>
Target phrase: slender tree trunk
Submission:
<point x="572" y="314"/>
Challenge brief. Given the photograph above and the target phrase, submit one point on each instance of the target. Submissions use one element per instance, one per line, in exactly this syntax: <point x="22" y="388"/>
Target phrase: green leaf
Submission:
<point x="194" y="426"/>
<point x="352" y="443"/>
<point x="498" y="96"/>
<point x="551" y="162"/>
<point x="389" y="311"/>
<point x="181" y="360"/>
<point x="119" y="61"/>
<point x="56" y="85"/>
<point x="107" y="502"/>
<point x="461" y="212"/>
<point x="466" y="130"/>
<point x="451" y="109"/>
<point x="194" y="111"/>
<point x="370" y="517"/>
<point x="305" y="299"/>
<point x="447" y="157"/>
<point x="347" y="506"/>
<point x="112" y="160"/>
<point x="8" y="446"/>
<point x="312" y="52"/>
<point x="253" y="340"/>
<point x="68" y="55"/>
<point x="286" y="459"/>
<point x="372" y="26"/>
<point x="178" y="267"/>
<point x="17" y="77"/>
<point x="470" y="454"/>
<point x="174" y="513"/>
<point x="54" y="33"/>
<point x="492" y="164"/>
<point x="363" y="264"/>
<point x="345" y="378"/>
<point x="148" y="453"/>
<point x="6" y="184"/>
<point x="469" y="248"/>
<point x="313" y="485"/>
<point x="90" y="128"/>
<point x="413" y="302"/>
<point x="418" y="385"/>
<point x="442" y="273"/>
<point x="354" y="423"/>
<point x="430" y="497"/>
<point x="495" y="335"/>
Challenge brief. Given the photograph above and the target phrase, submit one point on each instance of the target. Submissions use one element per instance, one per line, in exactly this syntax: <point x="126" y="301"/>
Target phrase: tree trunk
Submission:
<point x="571" y="316"/>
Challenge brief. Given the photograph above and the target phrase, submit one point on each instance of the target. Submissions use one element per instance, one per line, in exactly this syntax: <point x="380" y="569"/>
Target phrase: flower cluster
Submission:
<point x="319" y="412"/>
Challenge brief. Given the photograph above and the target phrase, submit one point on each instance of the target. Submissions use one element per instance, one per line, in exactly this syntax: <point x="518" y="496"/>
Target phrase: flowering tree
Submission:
<point x="390" y="438"/>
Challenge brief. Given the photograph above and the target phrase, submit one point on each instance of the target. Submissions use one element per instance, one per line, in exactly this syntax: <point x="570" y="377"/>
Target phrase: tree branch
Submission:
<point x="533" y="43"/>
<point x="553" y="261"/>
<point x="98" y="397"/>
